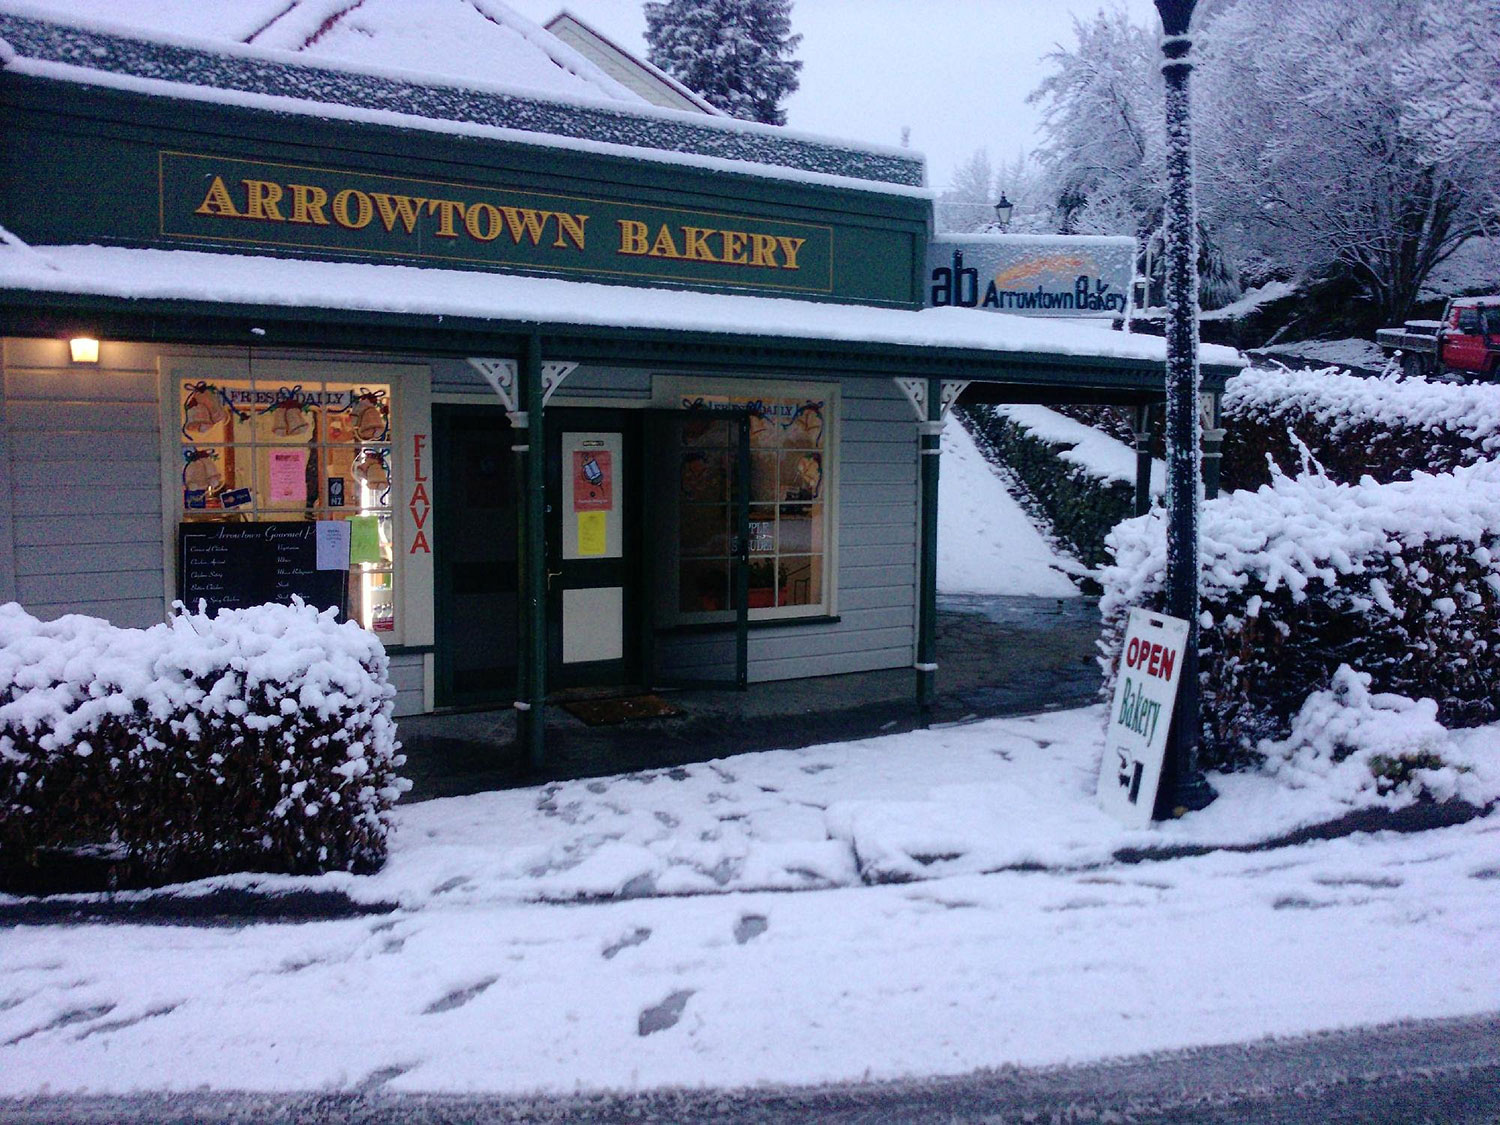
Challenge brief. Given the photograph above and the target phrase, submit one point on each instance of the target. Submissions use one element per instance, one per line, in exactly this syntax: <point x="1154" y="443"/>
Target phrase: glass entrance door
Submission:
<point x="702" y="559"/>
<point x="474" y="560"/>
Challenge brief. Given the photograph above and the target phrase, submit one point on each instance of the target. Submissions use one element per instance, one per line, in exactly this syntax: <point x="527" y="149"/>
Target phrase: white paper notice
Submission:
<point x="333" y="545"/>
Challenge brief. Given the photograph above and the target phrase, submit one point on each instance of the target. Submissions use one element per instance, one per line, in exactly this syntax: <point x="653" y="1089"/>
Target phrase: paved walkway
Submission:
<point x="997" y="656"/>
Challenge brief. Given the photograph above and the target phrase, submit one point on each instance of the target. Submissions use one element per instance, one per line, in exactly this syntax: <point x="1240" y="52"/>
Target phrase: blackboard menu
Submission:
<point x="235" y="565"/>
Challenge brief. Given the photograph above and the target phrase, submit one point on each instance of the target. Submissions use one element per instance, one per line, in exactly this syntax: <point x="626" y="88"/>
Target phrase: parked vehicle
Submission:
<point x="1465" y="344"/>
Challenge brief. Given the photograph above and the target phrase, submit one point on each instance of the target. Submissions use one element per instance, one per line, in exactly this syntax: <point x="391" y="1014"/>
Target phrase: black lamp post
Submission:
<point x="1183" y="785"/>
<point x="1003" y="211"/>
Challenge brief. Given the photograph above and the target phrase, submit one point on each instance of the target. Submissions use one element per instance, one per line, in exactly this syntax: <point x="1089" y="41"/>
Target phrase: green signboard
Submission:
<point x="219" y="199"/>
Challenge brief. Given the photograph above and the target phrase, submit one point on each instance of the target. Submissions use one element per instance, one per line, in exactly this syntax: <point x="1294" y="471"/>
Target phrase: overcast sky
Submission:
<point x="956" y="71"/>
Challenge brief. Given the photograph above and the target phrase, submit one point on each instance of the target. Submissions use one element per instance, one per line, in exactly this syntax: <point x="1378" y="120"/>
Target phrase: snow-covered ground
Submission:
<point x="918" y="904"/>
<point x="1351" y="352"/>
<point x="986" y="542"/>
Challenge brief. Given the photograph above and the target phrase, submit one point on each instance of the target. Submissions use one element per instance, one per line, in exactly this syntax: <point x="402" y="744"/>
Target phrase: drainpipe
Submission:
<point x="533" y="718"/>
<point x="931" y="446"/>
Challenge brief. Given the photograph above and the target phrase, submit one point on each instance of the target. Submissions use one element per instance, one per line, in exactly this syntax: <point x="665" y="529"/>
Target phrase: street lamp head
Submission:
<point x="1003" y="211"/>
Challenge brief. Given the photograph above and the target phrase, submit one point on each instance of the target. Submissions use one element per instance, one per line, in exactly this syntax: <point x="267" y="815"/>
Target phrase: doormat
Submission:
<point x="607" y="712"/>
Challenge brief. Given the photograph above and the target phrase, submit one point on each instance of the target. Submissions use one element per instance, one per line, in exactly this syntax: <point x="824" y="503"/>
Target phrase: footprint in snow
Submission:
<point x="458" y="997"/>
<point x="636" y="936"/>
<point x="661" y="1016"/>
<point x="750" y="926"/>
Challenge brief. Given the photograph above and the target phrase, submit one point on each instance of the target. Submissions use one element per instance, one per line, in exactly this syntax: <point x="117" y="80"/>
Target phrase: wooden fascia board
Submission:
<point x="32" y="313"/>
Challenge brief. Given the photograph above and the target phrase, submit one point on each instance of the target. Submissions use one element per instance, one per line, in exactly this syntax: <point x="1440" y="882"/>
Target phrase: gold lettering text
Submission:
<point x="572" y="227"/>
<point x="217" y="201"/>
<point x="447" y="210"/>
<point x="790" y="247"/>
<point x="525" y="220"/>
<point x="695" y="246"/>
<point x="734" y="246"/>
<point x="261" y="198"/>
<point x="308" y="202"/>
<point x="363" y="210"/>
<point x="406" y="208"/>
<point x="632" y="237"/>
<point x="664" y="247"/>
<point x="763" y="250"/>
<point x="482" y="221"/>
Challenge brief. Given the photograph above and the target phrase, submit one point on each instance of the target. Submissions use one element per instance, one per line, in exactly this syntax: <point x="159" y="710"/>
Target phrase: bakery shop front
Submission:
<point x="543" y="393"/>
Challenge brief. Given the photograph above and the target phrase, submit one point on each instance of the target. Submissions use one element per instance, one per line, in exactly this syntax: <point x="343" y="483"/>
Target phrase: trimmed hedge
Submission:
<point x="1388" y="429"/>
<point x="1082" y="505"/>
<point x="257" y="739"/>
<point x="1400" y="581"/>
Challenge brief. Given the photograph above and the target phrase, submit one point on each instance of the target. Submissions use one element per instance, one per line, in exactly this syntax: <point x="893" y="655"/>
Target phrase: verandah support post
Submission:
<point x="1184" y="787"/>
<point x="533" y="719"/>
<point x="1142" y="431"/>
<point x="931" y="446"/>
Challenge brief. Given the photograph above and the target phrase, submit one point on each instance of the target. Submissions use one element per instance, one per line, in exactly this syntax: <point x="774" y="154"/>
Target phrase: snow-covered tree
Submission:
<point x="968" y="202"/>
<point x="1102" y="118"/>
<point x="735" y="53"/>
<point x="1309" y="145"/>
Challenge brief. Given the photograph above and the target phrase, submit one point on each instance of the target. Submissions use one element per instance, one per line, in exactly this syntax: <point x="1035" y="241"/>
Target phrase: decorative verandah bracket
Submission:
<point x="915" y="391"/>
<point x="501" y="375"/>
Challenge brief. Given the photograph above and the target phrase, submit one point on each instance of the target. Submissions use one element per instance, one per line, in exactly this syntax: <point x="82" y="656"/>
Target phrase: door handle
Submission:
<point x="551" y="574"/>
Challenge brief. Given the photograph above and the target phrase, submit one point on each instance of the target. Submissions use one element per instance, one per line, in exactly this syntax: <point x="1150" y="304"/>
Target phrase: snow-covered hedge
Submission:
<point x="1400" y="581"/>
<point x="1083" y="478"/>
<point x="256" y="739"/>
<point x="1386" y="428"/>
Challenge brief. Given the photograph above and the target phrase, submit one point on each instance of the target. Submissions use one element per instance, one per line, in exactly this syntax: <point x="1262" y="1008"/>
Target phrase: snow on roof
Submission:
<point x="166" y="63"/>
<point x="656" y="85"/>
<point x="463" y="39"/>
<point x="467" y="40"/>
<point x="301" y="283"/>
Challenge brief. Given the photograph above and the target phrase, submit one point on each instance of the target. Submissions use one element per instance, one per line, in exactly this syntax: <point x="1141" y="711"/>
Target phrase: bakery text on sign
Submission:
<point x="310" y="205"/>
<point x="1138" y="712"/>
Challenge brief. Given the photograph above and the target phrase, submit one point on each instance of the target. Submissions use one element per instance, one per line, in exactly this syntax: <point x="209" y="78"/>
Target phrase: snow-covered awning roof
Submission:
<point x="508" y="302"/>
<point x="369" y="86"/>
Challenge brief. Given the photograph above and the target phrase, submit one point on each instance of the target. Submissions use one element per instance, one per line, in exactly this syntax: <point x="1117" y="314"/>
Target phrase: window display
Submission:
<point x="257" y="449"/>
<point x="789" y="451"/>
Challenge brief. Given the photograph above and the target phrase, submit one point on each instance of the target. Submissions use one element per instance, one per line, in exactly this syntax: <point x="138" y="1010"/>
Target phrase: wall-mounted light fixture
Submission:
<point x="84" y="349"/>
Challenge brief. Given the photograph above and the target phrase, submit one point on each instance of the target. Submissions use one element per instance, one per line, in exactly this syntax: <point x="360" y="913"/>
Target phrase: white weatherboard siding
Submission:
<point x="82" y="446"/>
<point x="82" y="528"/>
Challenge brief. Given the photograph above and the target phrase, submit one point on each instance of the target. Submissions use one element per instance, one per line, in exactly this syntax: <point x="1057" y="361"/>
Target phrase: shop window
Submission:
<point x="267" y="449"/>
<point x="790" y="503"/>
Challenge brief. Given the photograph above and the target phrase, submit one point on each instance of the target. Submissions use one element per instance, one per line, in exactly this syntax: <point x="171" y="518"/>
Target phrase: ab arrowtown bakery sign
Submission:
<point x="220" y="199"/>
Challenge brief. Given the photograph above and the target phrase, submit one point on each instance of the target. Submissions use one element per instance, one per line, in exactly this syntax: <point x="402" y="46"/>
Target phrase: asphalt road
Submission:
<point x="1444" y="1072"/>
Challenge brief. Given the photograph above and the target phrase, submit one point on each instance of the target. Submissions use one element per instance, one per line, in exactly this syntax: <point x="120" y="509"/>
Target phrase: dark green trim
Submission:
<point x="534" y="551"/>
<point x="409" y="650"/>
<point x="198" y="67"/>
<point x="1013" y="377"/>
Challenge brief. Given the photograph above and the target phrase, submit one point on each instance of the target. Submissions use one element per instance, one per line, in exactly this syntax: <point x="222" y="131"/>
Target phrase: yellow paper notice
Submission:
<point x="364" y="539"/>
<point x="591" y="533"/>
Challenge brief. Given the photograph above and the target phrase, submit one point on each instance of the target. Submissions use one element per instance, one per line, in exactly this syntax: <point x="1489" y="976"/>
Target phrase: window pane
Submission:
<point x="217" y="478"/>
<point x="801" y="476"/>
<point x="704" y="530"/>
<point x="214" y="413"/>
<point x="805" y="429"/>
<point x="763" y="530"/>
<point x="801" y="529"/>
<point x="704" y="476"/>
<point x="287" y="477"/>
<point x="762" y="477"/>
<point x="705" y="586"/>
<point x="801" y="580"/>
<point x="701" y="432"/>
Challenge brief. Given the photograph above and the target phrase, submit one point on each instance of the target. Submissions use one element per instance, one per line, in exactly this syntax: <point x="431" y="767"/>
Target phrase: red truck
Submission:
<point x="1465" y="344"/>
